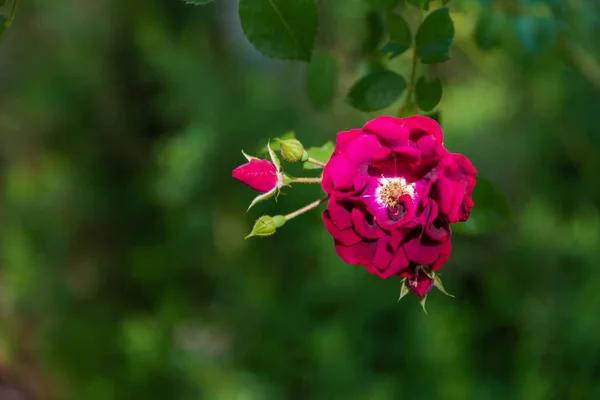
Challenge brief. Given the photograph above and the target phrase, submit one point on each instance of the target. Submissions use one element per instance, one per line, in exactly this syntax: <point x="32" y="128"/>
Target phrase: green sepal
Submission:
<point x="404" y="289"/>
<point x="263" y="197"/>
<point x="422" y="301"/>
<point x="437" y="282"/>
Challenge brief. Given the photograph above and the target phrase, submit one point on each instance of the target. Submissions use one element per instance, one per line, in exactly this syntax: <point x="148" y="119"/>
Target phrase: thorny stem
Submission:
<point x="306" y="180"/>
<point x="306" y="208"/>
<point x="316" y="162"/>
<point x="10" y="19"/>
<point x="413" y="73"/>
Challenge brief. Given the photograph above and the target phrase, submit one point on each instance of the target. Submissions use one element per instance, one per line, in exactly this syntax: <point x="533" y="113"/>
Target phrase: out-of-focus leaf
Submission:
<point x="283" y="29"/>
<point x="380" y="4"/>
<point x="2" y="23"/>
<point x="321" y="80"/>
<point x="489" y="29"/>
<point x="428" y="94"/>
<point x="435" y="36"/>
<point x="376" y="91"/>
<point x="535" y="33"/>
<point x="375" y="32"/>
<point x="424" y="4"/>
<point x="491" y="210"/>
<point x="400" y="36"/>
<point x="274" y="144"/>
<point x="197" y="2"/>
<point x="322" y="153"/>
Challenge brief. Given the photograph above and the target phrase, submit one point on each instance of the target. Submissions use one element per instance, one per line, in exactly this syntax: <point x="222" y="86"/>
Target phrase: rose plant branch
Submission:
<point x="408" y="103"/>
<point x="305" y="180"/>
<point x="306" y="208"/>
<point x="11" y="17"/>
<point x="316" y="162"/>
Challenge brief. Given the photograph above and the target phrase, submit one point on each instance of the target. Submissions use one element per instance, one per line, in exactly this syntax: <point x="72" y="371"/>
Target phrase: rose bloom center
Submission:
<point x="390" y="190"/>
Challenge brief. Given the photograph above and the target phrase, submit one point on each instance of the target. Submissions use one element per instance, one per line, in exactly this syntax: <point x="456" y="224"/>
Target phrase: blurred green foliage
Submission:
<point x="124" y="273"/>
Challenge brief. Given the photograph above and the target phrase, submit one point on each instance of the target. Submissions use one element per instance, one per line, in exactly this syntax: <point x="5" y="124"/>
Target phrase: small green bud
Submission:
<point x="292" y="150"/>
<point x="266" y="225"/>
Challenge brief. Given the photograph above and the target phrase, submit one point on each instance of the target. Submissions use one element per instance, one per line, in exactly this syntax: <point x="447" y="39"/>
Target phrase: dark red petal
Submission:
<point x="361" y="253"/>
<point x="382" y="259"/>
<point x="455" y="187"/>
<point x="365" y="228"/>
<point x="420" y="283"/>
<point x="398" y="264"/>
<point x="340" y="215"/>
<point x="444" y="256"/>
<point x="346" y="237"/>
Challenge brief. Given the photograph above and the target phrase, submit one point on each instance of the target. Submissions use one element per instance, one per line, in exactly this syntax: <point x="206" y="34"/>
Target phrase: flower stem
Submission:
<point x="316" y="162"/>
<point x="306" y="180"/>
<point x="413" y="74"/>
<point x="306" y="208"/>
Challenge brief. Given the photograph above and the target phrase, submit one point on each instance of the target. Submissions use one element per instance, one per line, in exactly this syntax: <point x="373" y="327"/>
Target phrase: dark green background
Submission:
<point x="124" y="273"/>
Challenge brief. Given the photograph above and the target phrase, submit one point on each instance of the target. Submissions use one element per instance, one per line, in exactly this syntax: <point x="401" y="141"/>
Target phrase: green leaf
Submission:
<point x="535" y="33"/>
<point x="434" y="37"/>
<point x="283" y="29"/>
<point x="400" y="36"/>
<point x="2" y="23"/>
<point x="197" y="2"/>
<point x="2" y="2"/>
<point x="322" y="154"/>
<point x="321" y="80"/>
<point x="489" y="29"/>
<point x="491" y="210"/>
<point x="428" y="94"/>
<point x="424" y="4"/>
<point x="375" y="31"/>
<point x="376" y="91"/>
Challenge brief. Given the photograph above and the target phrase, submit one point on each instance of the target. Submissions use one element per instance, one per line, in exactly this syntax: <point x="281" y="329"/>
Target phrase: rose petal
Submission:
<point x="366" y="229"/>
<point x="390" y="129"/>
<point x="398" y="264"/>
<point x="425" y="124"/>
<point x="346" y="137"/>
<point x="455" y="187"/>
<point x="382" y="259"/>
<point x="362" y="148"/>
<point x="444" y="256"/>
<point x="346" y="237"/>
<point x="342" y="172"/>
<point x="420" y="283"/>
<point x="361" y="253"/>
<point x="339" y="214"/>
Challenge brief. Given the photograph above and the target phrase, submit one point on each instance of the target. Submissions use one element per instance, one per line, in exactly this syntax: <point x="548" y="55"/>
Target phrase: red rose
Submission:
<point x="393" y="192"/>
<point x="260" y="175"/>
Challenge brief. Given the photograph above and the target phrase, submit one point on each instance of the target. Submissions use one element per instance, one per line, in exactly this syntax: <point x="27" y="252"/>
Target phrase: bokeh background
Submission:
<point x="124" y="273"/>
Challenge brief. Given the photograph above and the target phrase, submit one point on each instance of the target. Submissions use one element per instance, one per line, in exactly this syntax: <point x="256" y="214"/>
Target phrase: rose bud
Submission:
<point x="260" y="175"/>
<point x="292" y="150"/>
